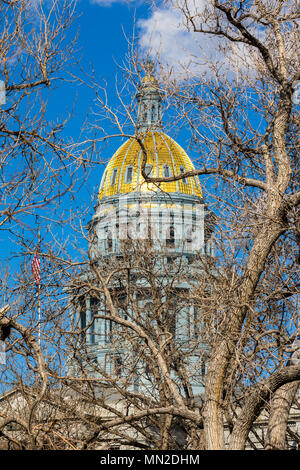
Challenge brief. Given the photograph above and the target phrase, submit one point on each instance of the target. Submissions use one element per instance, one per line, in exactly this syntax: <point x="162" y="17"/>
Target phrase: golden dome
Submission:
<point x="164" y="158"/>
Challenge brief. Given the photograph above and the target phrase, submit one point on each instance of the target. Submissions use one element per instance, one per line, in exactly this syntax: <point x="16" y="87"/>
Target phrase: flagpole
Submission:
<point x="35" y="266"/>
<point x="39" y="314"/>
<point x="38" y="291"/>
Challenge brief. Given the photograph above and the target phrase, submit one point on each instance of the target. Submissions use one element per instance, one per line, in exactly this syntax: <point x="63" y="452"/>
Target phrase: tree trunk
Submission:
<point x="213" y="423"/>
<point x="279" y="413"/>
<point x="256" y="401"/>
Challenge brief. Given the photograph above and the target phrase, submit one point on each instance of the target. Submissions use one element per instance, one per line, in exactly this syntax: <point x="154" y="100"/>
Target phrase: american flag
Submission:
<point x="35" y="266"/>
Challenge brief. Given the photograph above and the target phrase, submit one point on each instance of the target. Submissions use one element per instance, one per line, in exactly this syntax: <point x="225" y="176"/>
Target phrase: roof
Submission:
<point x="165" y="157"/>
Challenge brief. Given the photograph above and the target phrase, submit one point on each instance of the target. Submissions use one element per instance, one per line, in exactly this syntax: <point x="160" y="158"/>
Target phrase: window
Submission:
<point x="83" y="325"/>
<point x="92" y="332"/>
<point x="203" y="363"/>
<point x="196" y="319"/>
<point x="145" y="108"/>
<point x="129" y="173"/>
<point x="183" y="170"/>
<point x="189" y="235"/>
<point x="114" y="176"/>
<point x="113" y="364"/>
<point x="109" y="241"/>
<point x="160" y="224"/>
<point x="118" y="363"/>
<point x="166" y="171"/>
<point x="108" y="331"/>
<point x="203" y="367"/>
<point x="170" y="241"/>
<point x="94" y="305"/>
<point x="107" y="363"/>
<point x="148" y="170"/>
<point x="153" y="113"/>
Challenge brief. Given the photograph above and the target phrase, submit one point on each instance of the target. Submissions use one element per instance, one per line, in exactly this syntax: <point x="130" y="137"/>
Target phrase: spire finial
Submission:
<point x="149" y="100"/>
<point x="149" y="67"/>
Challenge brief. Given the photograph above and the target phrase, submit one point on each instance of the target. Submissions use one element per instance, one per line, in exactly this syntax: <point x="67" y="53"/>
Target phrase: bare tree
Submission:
<point x="254" y="158"/>
<point x="38" y="167"/>
<point x="243" y="128"/>
<point x="34" y="153"/>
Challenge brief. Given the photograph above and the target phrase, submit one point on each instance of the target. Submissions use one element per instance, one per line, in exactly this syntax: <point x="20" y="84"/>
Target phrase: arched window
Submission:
<point x="153" y="117"/>
<point x="166" y="171"/>
<point x="128" y="175"/>
<point x="144" y="114"/>
<point x="170" y="241"/>
<point x="189" y="235"/>
<point x="149" y="170"/>
<point x="183" y="170"/>
<point x="114" y="176"/>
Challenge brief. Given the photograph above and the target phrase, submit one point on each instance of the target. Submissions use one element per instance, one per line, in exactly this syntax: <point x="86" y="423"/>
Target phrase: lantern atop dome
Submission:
<point x="149" y="99"/>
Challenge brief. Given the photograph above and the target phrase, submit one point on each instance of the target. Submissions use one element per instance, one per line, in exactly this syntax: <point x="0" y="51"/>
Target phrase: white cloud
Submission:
<point x="165" y="35"/>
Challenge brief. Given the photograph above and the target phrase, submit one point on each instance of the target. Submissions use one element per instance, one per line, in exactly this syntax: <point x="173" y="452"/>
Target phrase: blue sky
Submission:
<point x="101" y="45"/>
<point x="103" y="31"/>
<point x="103" y="28"/>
